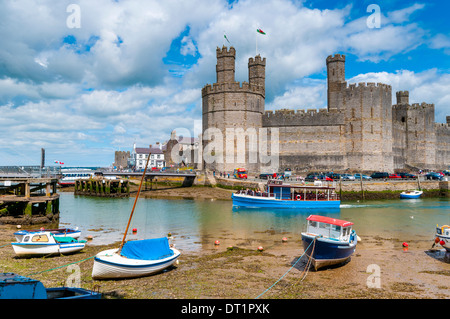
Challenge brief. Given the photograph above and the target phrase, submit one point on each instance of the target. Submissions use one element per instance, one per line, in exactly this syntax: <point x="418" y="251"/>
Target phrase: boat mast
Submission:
<point x="134" y="205"/>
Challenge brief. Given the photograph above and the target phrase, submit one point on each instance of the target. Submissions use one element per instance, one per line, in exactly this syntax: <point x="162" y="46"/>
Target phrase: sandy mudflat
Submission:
<point x="245" y="273"/>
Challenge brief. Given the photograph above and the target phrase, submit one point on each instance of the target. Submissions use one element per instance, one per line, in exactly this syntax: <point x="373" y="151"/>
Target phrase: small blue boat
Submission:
<point x="411" y="194"/>
<point x="13" y="286"/>
<point x="328" y="241"/>
<point x="279" y="195"/>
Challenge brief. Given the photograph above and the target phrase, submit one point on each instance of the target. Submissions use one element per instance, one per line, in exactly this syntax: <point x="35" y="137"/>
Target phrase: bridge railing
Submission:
<point x="30" y="171"/>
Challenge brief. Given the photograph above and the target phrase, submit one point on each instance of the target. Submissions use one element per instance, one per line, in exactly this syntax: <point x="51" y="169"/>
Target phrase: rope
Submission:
<point x="314" y="241"/>
<point x="76" y="262"/>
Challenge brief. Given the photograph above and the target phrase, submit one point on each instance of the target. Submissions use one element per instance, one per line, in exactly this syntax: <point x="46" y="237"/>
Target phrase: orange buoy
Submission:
<point x="89" y="237"/>
<point x="442" y="243"/>
<point x="260" y="248"/>
<point x="134" y="230"/>
<point x="169" y="234"/>
<point x="217" y="242"/>
<point x="284" y="239"/>
<point x="436" y="240"/>
<point x="405" y="244"/>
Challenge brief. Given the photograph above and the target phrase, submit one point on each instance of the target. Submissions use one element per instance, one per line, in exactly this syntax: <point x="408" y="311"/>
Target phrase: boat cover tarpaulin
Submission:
<point x="147" y="249"/>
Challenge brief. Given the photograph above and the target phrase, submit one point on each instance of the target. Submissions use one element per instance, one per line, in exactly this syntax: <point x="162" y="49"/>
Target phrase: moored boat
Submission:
<point x="13" y="286"/>
<point x="279" y="195"/>
<point x="411" y="194"/>
<point x="328" y="241"/>
<point x="45" y="243"/>
<point x="136" y="259"/>
<point x="60" y="232"/>
<point x="443" y="236"/>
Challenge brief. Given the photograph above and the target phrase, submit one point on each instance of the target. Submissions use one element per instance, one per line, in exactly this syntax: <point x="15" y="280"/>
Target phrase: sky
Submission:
<point x="83" y="79"/>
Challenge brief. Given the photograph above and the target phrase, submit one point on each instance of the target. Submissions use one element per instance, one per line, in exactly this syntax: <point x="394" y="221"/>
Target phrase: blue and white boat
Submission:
<point x="13" y="286"/>
<point x="45" y="243"/>
<point x="411" y="194"/>
<point x="279" y="195"/>
<point x="136" y="259"/>
<point x="328" y="241"/>
<point x="60" y="232"/>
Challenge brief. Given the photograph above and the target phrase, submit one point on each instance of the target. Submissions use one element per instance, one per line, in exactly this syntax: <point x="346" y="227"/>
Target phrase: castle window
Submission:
<point x="403" y="119"/>
<point x="371" y="112"/>
<point x="371" y="129"/>
<point x="353" y="113"/>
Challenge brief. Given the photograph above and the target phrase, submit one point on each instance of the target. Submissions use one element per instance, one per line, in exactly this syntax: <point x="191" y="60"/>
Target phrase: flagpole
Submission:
<point x="256" y="50"/>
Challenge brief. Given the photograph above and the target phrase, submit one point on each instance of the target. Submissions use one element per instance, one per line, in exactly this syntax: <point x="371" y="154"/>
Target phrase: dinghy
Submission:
<point x="411" y="194"/>
<point x="60" y="232"/>
<point x="45" y="243"/>
<point x="135" y="258"/>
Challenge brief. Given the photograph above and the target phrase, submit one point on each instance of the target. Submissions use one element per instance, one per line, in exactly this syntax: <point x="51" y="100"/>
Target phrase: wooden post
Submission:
<point x="418" y="182"/>
<point x="362" y="189"/>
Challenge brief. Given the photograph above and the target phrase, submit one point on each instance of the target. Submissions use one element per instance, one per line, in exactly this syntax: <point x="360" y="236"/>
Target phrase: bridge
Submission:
<point x="189" y="177"/>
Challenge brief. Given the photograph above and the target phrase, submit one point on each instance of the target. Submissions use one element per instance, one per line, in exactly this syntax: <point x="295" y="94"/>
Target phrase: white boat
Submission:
<point x="60" y="232"/>
<point x="69" y="176"/>
<point x="443" y="236"/>
<point x="45" y="243"/>
<point x="135" y="258"/>
<point x="411" y="194"/>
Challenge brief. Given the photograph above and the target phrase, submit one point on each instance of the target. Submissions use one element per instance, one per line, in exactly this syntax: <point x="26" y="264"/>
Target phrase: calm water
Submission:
<point x="197" y="224"/>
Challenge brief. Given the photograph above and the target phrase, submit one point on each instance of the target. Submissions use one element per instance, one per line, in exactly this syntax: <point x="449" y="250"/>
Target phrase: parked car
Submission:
<point x="265" y="175"/>
<point x="433" y="175"/>
<point x="348" y="177"/>
<point x="358" y="176"/>
<point x="380" y="175"/>
<point x="394" y="176"/>
<point x="333" y="175"/>
<point x="311" y="177"/>
<point x="407" y="175"/>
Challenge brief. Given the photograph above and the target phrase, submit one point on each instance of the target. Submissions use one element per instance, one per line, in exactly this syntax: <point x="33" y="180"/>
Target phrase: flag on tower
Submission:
<point x="225" y="36"/>
<point x="260" y="31"/>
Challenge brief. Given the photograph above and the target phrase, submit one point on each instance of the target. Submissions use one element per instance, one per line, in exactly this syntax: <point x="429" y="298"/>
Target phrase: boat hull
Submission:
<point x="444" y="241"/>
<point x="326" y="252"/>
<point x="110" y="265"/>
<point x="29" y="249"/>
<point x="413" y="195"/>
<point x="241" y="200"/>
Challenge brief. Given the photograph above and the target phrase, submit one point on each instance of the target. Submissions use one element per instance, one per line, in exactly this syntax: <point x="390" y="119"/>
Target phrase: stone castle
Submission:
<point x="360" y="130"/>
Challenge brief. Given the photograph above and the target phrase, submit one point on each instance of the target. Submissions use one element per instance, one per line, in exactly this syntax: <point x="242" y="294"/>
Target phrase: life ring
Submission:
<point x="298" y="197"/>
<point x="443" y="227"/>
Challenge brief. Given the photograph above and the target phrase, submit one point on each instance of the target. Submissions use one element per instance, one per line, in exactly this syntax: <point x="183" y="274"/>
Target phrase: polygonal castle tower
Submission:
<point x="231" y="112"/>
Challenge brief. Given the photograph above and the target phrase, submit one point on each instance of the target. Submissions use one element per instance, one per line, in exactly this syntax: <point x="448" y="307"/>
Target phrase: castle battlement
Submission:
<point x="419" y="106"/>
<point x="336" y="58"/>
<point x="371" y="85"/>
<point x="257" y="60"/>
<point x="229" y="87"/>
<point x="226" y="52"/>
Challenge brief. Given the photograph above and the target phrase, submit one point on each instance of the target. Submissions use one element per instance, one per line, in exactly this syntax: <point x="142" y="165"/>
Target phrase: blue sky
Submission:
<point x="133" y="70"/>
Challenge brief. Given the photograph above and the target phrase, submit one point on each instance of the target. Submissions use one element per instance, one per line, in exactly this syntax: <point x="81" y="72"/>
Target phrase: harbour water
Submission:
<point x="196" y="224"/>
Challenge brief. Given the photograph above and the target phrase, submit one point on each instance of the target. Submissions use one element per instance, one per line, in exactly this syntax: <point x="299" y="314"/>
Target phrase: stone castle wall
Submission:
<point x="359" y="131"/>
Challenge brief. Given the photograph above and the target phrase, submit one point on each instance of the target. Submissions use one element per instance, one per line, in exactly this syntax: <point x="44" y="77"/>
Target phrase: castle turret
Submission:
<point x="232" y="115"/>
<point x="336" y="80"/>
<point x="225" y="67"/>
<point x="257" y="71"/>
<point x="402" y="97"/>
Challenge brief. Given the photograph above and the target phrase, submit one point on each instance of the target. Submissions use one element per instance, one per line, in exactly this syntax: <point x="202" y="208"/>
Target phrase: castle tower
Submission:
<point x="336" y="80"/>
<point x="402" y="97"/>
<point x="232" y="115"/>
<point x="225" y="67"/>
<point x="257" y="71"/>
